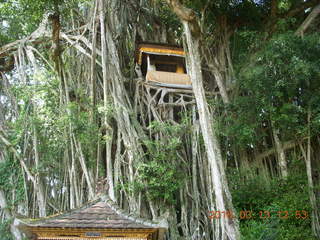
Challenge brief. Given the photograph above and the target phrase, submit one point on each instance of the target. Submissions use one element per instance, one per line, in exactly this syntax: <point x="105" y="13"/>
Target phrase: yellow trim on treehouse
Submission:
<point x="178" y="52"/>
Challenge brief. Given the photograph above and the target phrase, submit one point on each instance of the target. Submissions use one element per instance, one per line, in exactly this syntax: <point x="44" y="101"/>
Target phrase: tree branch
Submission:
<point x="185" y="14"/>
<point x="306" y="23"/>
<point x="307" y="4"/>
<point x="286" y="146"/>
<point x="274" y="8"/>
<point x="6" y="142"/>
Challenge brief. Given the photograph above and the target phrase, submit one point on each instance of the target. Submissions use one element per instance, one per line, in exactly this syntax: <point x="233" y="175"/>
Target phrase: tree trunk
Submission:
<point x="37" y="184"/>
<point x="211" y="142"/>
<point x="312" y="197"/>
<point x="7" y="214"/>
<point x="84" y="168"/>
<point x="109" y="132"/>
<point x="314" y="13"/>
<point x="282" y="162"/>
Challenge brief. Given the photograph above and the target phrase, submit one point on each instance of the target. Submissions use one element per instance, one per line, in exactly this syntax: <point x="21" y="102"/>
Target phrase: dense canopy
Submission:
<point x="233" y="156"/>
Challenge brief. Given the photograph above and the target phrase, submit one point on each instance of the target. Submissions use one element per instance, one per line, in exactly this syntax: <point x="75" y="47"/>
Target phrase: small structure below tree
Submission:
<point x="98" y="220"/>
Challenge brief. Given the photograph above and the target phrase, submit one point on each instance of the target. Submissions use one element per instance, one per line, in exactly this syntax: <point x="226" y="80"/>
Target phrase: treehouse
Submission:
<point x="98" y="220"/>
<point x="162" y="65"/>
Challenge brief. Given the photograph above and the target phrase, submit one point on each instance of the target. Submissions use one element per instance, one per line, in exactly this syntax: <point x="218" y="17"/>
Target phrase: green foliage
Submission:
<point x="5" y="231"/>
<point x="19" y="18"/>
<point x="163" y="174"/>
<point x="240" y="124"/>
<point x="245" y="42"/>
<point x="280" y="87"/>
<point x="169" y="19"/>
<point x="41" y="114"/>
<point x="11" y="181"/>
<point x="10" y="177"/>
<point x="235" y="12"/>
<point x="86" y="131"/>
<point x="275" y="196"/>
<point x="285" y="77"/>
<point x="262" y="230"/>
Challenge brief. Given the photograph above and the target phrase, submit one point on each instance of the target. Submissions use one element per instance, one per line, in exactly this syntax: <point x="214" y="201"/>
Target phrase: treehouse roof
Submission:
<point x="100" y="218"/>
<point x="158" y="49"/>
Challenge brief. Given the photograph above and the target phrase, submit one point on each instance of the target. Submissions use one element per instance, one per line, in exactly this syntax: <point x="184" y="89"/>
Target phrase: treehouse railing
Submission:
<point x="169" y="79"/>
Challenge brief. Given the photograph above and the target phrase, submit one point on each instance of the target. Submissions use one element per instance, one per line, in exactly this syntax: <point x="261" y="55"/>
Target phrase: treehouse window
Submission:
<point x="166" y="67"/>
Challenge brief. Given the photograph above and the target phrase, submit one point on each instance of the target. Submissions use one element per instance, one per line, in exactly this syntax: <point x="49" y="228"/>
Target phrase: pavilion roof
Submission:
<point x="102" y="213"/>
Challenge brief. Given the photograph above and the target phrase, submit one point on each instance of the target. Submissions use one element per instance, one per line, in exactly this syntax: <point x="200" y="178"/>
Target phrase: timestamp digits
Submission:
<point x="263" y="214"/>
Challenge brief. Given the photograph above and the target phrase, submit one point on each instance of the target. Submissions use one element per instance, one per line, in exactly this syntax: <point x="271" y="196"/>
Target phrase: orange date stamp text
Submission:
<point x="263" y="214"/>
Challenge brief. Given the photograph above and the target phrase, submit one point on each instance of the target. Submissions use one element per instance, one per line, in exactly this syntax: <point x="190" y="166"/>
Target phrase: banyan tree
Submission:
<point x="142" y="101"/>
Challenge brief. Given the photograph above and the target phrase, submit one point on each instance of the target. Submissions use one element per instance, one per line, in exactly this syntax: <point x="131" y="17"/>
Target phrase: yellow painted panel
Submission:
<point x="159" y="51"/>
<point x="168" y="78"/>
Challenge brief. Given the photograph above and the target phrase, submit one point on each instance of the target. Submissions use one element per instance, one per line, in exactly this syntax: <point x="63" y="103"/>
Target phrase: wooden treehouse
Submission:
<point x="98" y="220"/>
<point x="163" y="82"/>
<point x="163" y="65"/>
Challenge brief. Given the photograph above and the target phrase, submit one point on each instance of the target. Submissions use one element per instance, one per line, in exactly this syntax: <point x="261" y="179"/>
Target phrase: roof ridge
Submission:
<point x="61" y="214"/>
<point x="159" y="44"/>
<point x="162" y="223"/>
<point x="61" y="220"/>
